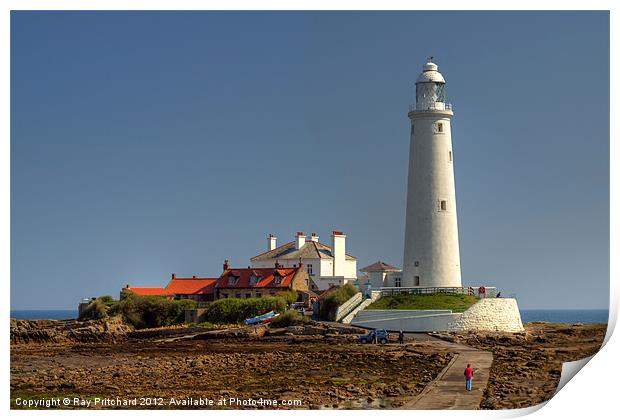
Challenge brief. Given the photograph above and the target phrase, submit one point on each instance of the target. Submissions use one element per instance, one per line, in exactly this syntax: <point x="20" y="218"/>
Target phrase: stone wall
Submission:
<point x="490" y="314"/>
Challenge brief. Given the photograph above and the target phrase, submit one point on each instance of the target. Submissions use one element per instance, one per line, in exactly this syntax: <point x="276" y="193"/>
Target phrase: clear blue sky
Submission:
<point x="149" y="143"/>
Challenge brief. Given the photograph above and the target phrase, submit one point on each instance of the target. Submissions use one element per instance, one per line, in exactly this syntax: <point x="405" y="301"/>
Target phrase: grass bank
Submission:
<point x="453" y="301"/>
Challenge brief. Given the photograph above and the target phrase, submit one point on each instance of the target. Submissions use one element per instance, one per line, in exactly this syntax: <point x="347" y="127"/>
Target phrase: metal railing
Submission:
<point x="489" y="292"/>
<point x="432" y="107"/>
<point x="389" y="291"/>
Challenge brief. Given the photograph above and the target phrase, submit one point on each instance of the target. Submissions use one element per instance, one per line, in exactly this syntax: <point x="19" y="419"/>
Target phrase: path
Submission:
<point x="447" y="391"/>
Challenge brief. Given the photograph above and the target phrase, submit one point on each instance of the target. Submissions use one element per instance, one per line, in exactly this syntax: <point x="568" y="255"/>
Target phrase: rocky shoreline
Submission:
<point x="29" y="332"/>
<point x="320" y="364"/>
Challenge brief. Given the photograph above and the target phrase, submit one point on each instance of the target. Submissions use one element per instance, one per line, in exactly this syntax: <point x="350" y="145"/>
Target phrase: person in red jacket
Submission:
<point x="469" y="375"/>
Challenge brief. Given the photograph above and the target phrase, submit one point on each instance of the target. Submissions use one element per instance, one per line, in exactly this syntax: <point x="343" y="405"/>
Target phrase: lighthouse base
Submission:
<point x="490" y="314"/>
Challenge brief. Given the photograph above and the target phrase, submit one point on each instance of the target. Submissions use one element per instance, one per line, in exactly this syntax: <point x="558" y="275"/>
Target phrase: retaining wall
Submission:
<point x="406" y="320"/>
<point x="501" y="314"/>
<point x="373" y="297"/>
<point x="344" y="309"/>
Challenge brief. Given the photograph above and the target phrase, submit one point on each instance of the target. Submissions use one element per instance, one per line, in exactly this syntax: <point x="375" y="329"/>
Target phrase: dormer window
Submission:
<point x="232" y="280"/>
<point x="277" y="279"/>
<point x="254" y="278"/>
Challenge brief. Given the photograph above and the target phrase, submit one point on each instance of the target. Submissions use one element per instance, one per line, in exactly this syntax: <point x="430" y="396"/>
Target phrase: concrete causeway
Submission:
<point x="447" y="390"/>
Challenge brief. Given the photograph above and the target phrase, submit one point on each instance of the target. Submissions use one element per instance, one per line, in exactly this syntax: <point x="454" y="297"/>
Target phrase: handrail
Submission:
<point x="433" y="107"/>
<point x="422" y="290"/>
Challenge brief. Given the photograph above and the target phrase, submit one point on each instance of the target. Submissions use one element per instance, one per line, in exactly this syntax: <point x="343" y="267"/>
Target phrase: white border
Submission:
<point x="591" y="395"/>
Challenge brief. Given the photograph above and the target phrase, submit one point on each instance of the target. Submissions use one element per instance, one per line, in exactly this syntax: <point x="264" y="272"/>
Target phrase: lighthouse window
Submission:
<point x="412" y="129"/>
<point x="396" y="281"/>
<point x="440" y="127"/>
<point x="443" y="205"/>
<point x="450" y="156"/>
<point x="416" y="281"/>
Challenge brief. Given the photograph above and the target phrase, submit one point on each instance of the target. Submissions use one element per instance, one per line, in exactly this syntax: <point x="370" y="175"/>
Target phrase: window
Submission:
<point x="225" y="295"/>
<point x="232" y="280"/>
<point x="396" y="281"/>
<point x="310" y="269"/>
<point x="254" y="278"/>
<point x="416" y="281"/>
<point x="443" y="205"/>
<point x="416" y="263"/>
<point x="248" y="295"/>
<point x="277" y="279"/>
<point x="412" y="129"/>
<point x="450" y="156"/>
<point x="238" y="295"/>
<point x="259" y="294"/>
<point x="440" y="127"/>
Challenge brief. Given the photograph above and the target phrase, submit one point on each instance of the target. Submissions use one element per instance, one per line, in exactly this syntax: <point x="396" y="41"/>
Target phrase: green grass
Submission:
<point x="336" y="297"/>
<point x="453" y="301"/>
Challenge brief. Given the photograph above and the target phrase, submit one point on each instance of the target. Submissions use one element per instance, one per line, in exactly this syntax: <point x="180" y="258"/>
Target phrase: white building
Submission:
<point x="431" y="256"/>
<point x="327" y="265"/>
<point x="381" y="274"/>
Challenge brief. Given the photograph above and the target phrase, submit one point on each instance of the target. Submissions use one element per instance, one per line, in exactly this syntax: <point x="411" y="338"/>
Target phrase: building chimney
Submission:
<point x="300" y="240"/>
<point x="338" y="251"/>
<point x="314" y="237"/>
<point x="226" y="265"/>
<point x="271" y="242"/>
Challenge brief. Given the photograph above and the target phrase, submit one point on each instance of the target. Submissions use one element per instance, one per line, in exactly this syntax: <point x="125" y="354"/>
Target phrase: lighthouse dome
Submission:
<point x="430" y="73"/>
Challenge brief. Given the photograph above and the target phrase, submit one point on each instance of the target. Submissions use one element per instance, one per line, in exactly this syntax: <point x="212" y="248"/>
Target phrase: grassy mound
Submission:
<point x="453" y="301"/>
<point x="287" y="319"/>
<point x="233" y="310"/>
<point x="151" y="311"/>
<point x="140" y="311"/>
<point x="336" y="297"/>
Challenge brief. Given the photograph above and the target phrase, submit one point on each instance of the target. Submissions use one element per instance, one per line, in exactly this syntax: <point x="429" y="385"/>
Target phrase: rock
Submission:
<point x="59" y="332"/>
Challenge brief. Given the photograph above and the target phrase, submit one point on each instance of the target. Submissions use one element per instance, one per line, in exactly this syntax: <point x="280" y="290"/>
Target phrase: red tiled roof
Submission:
<point x="191" y="286"/>
<point x="267" y="277"/>
<point x="179" y="286"/>
<point x="148" y="291"/>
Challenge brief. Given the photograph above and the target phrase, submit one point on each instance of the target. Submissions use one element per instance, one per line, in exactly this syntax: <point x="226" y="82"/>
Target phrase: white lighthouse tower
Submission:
<point x="431" y="235"/>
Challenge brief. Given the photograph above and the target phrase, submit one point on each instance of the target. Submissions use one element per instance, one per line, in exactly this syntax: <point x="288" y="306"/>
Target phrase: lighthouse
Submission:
<point x="431" y="257"/>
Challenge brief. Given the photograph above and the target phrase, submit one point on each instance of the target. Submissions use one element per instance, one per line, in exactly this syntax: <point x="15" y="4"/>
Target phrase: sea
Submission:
<point x="569" y="316"/>
<point x="45" y="314"/>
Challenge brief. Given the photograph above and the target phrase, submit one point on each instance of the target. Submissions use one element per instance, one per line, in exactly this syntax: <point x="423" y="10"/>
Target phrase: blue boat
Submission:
<point x="264" y="318"/>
